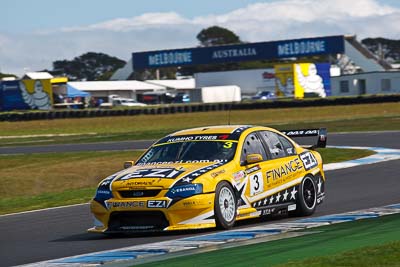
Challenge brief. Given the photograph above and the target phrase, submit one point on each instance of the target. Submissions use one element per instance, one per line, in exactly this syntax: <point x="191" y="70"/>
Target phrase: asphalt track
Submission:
<point x="55" y="233"/>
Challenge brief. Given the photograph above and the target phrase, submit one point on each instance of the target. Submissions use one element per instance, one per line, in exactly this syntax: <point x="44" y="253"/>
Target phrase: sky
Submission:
<point x="34" y="33"/>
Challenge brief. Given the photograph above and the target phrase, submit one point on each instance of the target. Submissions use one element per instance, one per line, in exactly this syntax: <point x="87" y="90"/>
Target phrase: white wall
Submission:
<point x="219" y="94"/>
<point x="373" y="83"/>
<point x="249" y="81"/>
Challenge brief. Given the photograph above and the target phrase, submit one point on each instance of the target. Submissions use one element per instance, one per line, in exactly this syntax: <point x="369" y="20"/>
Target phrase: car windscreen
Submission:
<point x="189" y="152"/>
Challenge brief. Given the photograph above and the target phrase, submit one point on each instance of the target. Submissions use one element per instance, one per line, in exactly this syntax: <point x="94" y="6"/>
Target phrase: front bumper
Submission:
<point x="135" y="215"/>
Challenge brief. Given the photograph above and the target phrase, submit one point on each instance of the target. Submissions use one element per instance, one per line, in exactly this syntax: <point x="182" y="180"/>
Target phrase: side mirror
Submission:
<point x="253" y="158"/>
<point x="128" y="164"/>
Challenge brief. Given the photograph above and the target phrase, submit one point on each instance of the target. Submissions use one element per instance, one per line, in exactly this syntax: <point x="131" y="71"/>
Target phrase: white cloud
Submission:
<point x="257" y="22"/>
<point x="153" y="20"/>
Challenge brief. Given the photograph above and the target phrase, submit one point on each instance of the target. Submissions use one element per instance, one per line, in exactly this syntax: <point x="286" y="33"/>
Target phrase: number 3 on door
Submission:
<point x="256" y="183"/>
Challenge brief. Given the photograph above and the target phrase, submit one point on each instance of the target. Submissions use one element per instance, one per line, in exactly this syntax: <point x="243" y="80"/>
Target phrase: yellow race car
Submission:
<point x="212" y="177"/>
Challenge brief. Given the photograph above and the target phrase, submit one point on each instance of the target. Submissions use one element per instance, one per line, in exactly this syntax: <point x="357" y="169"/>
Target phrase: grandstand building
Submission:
<point x="350" y="63"/>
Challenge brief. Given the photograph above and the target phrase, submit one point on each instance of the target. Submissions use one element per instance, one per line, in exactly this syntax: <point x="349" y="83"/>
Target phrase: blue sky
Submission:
<point x="34" y="33"/>
<point x="25" y="15"/>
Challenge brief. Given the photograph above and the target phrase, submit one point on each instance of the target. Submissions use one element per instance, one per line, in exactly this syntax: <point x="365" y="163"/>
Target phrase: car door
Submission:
<point x="254" y="172"/>
<point x="269" y="178"/>
<point x="282" y="169"/>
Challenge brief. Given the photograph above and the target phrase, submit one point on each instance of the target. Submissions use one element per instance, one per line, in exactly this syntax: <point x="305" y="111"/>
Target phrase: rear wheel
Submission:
<point x="224" y="206"/>
<point x="307" y="200"/>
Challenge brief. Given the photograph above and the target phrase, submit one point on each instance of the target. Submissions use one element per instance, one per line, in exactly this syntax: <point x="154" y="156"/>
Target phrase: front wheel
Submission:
<point x="225" y="206"/>
<point x="307" y="200"/>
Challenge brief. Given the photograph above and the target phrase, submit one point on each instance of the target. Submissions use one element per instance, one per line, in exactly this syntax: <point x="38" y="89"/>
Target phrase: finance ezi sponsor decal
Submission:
<point x="137" y="204"/>
<point x="153" y="173"/>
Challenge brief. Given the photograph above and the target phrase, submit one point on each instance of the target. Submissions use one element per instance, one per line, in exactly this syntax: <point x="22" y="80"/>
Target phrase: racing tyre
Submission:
<point x="307" y="200"/>
<point x="225" y="206"/>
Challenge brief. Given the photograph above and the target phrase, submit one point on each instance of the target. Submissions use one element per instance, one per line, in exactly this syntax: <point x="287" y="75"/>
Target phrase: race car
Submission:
<point x="212" y="177"/>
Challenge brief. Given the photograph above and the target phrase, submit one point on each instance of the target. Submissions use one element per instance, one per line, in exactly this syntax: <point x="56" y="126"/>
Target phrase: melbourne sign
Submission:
<point x="237" y="53"/>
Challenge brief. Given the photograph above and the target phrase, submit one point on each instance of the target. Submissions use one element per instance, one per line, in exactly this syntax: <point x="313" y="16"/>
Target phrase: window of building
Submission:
<point x="386" y="85"/>
<point x="344" y="87"/>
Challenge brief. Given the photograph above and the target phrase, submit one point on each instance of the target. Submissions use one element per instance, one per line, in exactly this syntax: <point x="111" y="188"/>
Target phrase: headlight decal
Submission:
<point x="184" y="191"/>
<point x="104" y="191"/>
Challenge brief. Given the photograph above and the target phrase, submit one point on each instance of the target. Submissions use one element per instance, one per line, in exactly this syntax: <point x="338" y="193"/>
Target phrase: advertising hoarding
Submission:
<point x="312" y="80"/>
<point x="26" y="94"/>
<point x="237" y="53"/>
<point x="284" y="80"/>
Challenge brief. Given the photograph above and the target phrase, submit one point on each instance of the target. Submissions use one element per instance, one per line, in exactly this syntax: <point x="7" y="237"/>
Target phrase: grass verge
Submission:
<point x="369" y="242"/>
<point x="381" y="255"/>
<point x="367" y="117"/>
<point x="34" y="181"/>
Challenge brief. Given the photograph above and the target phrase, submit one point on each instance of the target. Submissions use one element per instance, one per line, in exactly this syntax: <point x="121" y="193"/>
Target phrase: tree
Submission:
<point x="89" y="67"/>
<point x="213" y="36"/>
<point x="6" y="75"/>
<point x="217" y="36"/>
<point x="384" y="48"/>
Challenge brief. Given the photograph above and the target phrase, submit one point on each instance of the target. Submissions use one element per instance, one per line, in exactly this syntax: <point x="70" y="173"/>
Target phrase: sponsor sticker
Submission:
<point x="238" y="176"/>
<point x="156" y="203"/>
<point x="215" y="174"/>
<point x="126" y="204"/>
<point x="253" y="169"/>
<point x="151" y="173"/>
<point x="308" y="160"/>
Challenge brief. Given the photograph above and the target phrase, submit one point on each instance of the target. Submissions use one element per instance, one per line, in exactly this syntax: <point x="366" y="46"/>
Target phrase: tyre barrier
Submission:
<point x="189" y="108"/>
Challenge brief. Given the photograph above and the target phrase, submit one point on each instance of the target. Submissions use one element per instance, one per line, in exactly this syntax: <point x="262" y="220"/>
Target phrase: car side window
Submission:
<point x="287" y="145"/>
<point x="275" y="145"/>
<point x="252" y="145"/>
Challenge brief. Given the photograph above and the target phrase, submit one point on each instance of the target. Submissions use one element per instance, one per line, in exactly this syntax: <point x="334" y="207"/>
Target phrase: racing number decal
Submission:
<point x="256" y="183"/>
<point x="308" y="160"/>
<point x="228" y="144"/>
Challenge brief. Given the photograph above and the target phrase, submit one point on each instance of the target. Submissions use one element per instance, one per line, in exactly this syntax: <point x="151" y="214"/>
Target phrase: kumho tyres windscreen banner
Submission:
<point x="26" y="94"/>
<point x="312" y="80"/>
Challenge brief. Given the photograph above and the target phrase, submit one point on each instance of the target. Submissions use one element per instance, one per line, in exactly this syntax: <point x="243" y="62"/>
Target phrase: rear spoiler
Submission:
<point x="321" y="133"/>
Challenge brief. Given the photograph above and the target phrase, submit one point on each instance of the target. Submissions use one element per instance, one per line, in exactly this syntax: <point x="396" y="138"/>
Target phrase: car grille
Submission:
<point x="139" y="193"/>
<point x="137" y="221"/>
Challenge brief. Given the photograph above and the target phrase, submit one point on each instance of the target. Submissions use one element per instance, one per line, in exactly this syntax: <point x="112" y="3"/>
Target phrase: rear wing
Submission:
<point x="321" y="133"/>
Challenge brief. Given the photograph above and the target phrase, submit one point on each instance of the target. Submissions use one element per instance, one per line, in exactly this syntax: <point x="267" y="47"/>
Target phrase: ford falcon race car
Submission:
<point x="211" y="177"/>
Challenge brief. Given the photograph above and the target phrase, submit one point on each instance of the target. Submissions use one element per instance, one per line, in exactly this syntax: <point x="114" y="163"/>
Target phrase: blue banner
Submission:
<point x="237" y="53"/>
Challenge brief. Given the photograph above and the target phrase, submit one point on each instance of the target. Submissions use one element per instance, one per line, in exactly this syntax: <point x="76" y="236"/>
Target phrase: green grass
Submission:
<point x="46" y="200"/>
<point x="387" y="254"/>
<point x="366" y="117"/>
<point x="369" y="242"/>
<point x="330" y="155"/>
<point x="33" y="181"/>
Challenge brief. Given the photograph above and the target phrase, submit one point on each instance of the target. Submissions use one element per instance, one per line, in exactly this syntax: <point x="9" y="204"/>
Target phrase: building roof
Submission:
<point x="114" y="86"/>
<point x="175" y="84"/>
<point x="38" y="75"/>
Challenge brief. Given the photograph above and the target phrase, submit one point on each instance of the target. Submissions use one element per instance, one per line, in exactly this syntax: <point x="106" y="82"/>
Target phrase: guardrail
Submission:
<point x="187" y="108"/>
